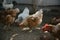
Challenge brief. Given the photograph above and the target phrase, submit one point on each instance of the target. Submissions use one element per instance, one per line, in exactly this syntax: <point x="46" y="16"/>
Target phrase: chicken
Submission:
<point x="32" y="20"/>
<point x="2" y="16"/>
<point x="47" y="27"/>
<point x="9" y="16"/>
<point x="55" y="20"/>
<point x="9" y="19"/>
<point x="22" y="15"/>
<point x="53" y="29"/>
<point x="6" y="5"/>
<point x="46" y="36"/>
<point x="13" y="12"/>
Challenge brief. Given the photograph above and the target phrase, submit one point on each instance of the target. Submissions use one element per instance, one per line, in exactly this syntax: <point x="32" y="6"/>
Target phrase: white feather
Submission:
<point x="23" y="15"/>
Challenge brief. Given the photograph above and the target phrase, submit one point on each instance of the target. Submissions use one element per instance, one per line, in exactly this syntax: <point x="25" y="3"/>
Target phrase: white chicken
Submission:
<point x="6" y="5"/>
<point x="32" y="20"/>
<point x="23" y="15"/>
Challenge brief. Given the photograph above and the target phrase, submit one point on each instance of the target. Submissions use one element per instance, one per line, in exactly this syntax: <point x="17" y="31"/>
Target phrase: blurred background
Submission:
<point x="34" y="5"/>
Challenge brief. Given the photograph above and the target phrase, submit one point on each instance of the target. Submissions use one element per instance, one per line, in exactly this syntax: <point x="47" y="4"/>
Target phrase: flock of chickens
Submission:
<point x="24" y="20"/>
<point x="8" y="17"/>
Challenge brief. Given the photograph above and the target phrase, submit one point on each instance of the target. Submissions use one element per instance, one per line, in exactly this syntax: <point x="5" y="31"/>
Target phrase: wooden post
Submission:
<point x="34" y="3"/>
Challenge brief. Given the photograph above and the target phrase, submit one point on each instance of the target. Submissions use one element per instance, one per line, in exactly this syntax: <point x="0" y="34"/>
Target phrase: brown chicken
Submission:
<point x="8" y="21"/>
<point x="32" y="20"/>
<point x="55" y="20"/>
<point x="53" y="29"/>
<point x="13" y="12"/>
<point x="9" y="16"/>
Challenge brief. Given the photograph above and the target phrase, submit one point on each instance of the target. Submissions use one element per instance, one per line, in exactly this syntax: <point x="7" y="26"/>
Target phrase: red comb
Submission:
<point x="46" y="25"/>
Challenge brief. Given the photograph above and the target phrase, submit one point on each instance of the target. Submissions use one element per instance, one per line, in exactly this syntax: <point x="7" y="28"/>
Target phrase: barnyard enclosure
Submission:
<point x="29" y="19"/>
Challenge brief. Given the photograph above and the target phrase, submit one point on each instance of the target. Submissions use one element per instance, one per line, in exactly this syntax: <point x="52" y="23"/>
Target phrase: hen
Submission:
<point x="53" y="29"/>
<point x="8" y="21"/>
<point x="10" y="17"/>
<point x="55" y="20"/>
<point x="13" y="12"/>
<point x="32" y="20"/>
<point x="6" y="5"/>
<point x="22" y="15"/>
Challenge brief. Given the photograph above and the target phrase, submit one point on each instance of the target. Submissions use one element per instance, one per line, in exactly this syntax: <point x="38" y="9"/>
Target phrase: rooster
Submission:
<point x="53" y="29"/>
<point x="32" y="20"/>
<point x="22" y="15"/>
